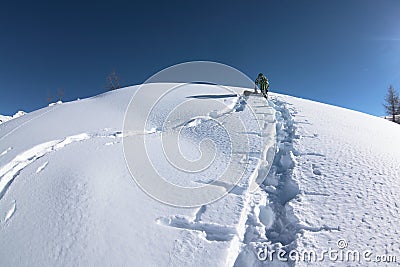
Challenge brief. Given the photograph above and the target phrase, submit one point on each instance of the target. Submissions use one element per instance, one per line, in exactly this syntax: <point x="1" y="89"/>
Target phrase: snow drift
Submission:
<point x="7" y="118"/>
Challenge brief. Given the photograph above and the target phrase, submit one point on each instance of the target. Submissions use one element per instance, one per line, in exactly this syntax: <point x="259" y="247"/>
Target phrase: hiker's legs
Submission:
<point x="264" y="91"/>
<point x="255" y="89"/>
<point x="265" y="94"/>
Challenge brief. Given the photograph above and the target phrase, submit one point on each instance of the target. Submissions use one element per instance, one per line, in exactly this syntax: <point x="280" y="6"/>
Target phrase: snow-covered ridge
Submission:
<point x="67" y="197"/>
<point x="7" y="118"/>
<point x="4" y="118"/>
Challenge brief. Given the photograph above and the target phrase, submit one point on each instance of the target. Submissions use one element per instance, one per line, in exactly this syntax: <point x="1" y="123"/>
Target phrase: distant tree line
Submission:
<point x="58" y="96"/>
<point x="392" y="104"/>
<point x="112" y="83"/>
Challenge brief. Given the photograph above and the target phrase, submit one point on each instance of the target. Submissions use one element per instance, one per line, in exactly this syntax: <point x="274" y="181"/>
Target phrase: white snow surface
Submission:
<point x="335" y="175"/>
<point x="4" y="118"/>
<point x="7" y="118"/>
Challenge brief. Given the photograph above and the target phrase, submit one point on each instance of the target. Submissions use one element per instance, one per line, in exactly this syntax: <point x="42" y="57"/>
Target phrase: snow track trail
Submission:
<point x="314" y="192"/>
<point x="224" y="220"/>
<point x="270" y="221"/>
<point x="348" y="179"/>
<point x="273" y="221"/>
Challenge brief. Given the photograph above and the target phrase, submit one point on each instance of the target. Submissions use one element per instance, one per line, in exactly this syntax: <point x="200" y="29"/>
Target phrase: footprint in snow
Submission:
<point x="11" y="211"/>
<point x="41" y="167"/>
<point x="213" y="232"/>
<point x="5" y="151"/>
<point x="315" y="170"/>
<point x="110" y="143"/>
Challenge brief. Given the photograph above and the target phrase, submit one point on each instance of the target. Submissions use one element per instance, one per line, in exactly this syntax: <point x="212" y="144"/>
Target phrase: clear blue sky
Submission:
<point x="342" y="52"/>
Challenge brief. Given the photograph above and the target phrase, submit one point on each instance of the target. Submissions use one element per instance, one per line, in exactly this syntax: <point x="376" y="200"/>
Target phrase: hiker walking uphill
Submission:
<point x="262" y="83"/>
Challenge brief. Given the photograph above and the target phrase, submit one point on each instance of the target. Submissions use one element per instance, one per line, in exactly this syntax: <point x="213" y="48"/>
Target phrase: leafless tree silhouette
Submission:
<point x="392" y="103"/>
<point x="113" y="81"/>
<point x="60" y="94"/>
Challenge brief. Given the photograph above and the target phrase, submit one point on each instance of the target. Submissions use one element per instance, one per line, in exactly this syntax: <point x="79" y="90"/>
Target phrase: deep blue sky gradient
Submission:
<point x="342" y="52"/>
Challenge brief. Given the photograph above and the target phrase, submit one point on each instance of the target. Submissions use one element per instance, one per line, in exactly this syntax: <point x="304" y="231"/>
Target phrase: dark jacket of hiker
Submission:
<point x="263" y="84"/>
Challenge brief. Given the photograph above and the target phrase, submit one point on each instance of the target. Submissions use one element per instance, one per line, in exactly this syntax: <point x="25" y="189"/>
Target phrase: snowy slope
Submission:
<point x="4" y="118"/>
<point x="7" y="118"/>
<point x="389" y="118"/>
<point x="347" y="166"/>
<point x="334" y="186"/>
<point x="67" y="196"/>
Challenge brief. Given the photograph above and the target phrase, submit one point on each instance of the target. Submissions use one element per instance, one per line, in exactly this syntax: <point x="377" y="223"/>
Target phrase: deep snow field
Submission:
<point x="330" y="180"/>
